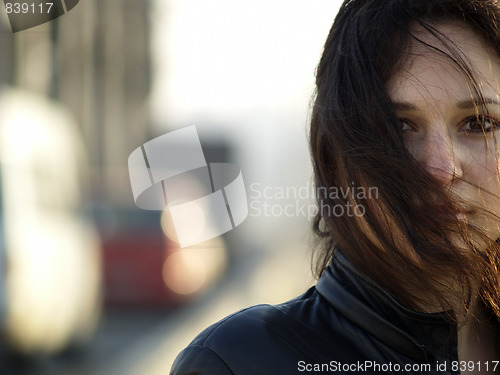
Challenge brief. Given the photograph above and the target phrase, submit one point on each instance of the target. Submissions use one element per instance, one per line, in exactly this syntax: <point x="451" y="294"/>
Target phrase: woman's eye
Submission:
<point x="405" y="125"/>
<point x="480" y="124"/>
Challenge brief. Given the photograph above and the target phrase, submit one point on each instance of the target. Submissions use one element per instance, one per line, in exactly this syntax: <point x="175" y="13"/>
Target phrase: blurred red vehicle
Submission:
<point x="143" y="268"/>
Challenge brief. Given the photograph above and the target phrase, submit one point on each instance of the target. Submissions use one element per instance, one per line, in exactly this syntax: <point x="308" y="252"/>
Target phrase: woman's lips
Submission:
<point x="459" y="212"/>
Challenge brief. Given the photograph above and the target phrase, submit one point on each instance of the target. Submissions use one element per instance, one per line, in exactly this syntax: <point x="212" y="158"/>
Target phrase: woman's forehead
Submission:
<point x="430" y="67"/>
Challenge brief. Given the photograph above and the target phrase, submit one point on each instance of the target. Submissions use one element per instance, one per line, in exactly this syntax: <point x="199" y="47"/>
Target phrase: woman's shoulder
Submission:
<point x="255" y="322"/>
<point x="258" y="339"/>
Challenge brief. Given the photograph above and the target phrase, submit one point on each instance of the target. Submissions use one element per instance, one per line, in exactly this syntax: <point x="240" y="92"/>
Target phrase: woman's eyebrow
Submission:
<point x="463" y="104"/>
<point x="472" y="103"/>
<point x="404" y="106"/>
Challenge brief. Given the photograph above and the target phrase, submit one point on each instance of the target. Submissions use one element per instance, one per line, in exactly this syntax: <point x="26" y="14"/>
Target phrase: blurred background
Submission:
<point x="91" y="284"/>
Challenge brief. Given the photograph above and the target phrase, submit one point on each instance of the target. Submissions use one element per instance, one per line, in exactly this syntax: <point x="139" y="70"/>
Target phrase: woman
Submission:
<point x="408" y="102"/>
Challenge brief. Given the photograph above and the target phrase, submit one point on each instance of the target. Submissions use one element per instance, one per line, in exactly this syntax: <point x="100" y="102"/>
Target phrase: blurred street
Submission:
<point x="147" y="341"/>
<point x="119" y="333"/>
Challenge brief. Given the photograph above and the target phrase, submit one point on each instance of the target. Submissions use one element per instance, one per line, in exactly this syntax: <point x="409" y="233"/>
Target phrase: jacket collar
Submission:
<point x="419" y="336"/>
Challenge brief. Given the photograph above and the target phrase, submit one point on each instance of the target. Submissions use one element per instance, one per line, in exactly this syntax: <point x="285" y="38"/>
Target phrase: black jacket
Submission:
<point x="343" y="325"/>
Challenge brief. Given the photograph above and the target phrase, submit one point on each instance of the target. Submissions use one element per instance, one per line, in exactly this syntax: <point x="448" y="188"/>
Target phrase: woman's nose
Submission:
<point x="442" y="158"/>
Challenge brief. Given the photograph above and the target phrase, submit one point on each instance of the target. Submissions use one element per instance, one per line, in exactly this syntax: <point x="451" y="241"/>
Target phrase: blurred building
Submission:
<point x="96" y="61"/>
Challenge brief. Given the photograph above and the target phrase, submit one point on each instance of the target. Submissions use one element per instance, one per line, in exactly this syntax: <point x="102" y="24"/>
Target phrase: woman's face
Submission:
<point x="455" y="141"/>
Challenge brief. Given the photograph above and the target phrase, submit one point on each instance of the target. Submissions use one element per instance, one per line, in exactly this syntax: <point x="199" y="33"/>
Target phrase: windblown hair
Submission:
<point x="403" y="239"/>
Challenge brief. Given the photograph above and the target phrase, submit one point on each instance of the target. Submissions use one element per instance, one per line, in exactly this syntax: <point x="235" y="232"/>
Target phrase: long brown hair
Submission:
<point x="401" y="234"/>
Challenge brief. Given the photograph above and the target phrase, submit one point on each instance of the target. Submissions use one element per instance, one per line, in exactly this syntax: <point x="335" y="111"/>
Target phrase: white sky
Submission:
<point x="220" y="58"/>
